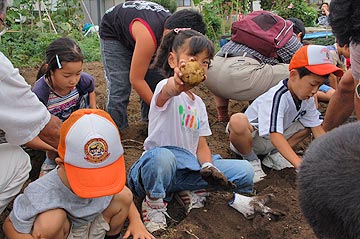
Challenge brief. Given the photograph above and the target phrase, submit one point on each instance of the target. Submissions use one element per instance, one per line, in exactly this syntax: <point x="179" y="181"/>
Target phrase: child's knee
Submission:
<point x="119" y="204"/>
<point x="51" y="224"/>
<point x="125" y="197"/>
<point x="238" y="124"/>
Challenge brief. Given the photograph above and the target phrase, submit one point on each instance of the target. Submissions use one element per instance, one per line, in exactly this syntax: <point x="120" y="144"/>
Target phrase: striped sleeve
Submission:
<point x="277" y="114"/>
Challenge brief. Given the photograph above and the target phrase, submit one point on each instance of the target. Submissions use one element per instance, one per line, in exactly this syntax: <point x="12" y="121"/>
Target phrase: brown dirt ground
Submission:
<point x="216" y="219"/>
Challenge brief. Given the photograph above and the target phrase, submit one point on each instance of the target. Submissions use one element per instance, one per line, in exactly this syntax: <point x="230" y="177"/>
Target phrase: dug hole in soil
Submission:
<point x="216" y="219"/>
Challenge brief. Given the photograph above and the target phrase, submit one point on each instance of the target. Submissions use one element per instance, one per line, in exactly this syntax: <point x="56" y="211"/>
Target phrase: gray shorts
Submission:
<point x="93" y="230"/>
<point x="262" y="145"/>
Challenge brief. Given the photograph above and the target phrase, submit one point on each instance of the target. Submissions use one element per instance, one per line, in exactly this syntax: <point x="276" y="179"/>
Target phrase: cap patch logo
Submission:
<point x="96" y="150"/>
<point x="327" y="54"/>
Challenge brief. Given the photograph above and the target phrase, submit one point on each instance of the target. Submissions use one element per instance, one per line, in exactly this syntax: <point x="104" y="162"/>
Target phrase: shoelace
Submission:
<point x="155" y="214"/>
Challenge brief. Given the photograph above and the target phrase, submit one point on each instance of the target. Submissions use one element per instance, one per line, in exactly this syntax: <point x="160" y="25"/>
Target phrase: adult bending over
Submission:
<point x="239" y="72"/>
<point x="130" y="34"/>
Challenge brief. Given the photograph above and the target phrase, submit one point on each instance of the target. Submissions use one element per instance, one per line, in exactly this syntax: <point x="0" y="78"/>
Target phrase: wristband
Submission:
<point x="357" y="90"/>
<point x="207" y="164"/>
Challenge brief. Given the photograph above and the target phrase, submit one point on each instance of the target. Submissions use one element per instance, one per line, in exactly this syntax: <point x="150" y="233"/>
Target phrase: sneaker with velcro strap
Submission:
<point x="276" y="161"/>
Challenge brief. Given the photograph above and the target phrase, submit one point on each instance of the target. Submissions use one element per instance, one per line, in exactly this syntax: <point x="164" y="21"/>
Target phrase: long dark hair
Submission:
<point x="174" y="40"/>
<point x="190" y="18"/>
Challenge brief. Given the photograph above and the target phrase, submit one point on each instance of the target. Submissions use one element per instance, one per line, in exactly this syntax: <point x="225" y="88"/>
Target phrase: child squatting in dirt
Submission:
<point x="177" y="159"/>
<point x="85" y="197"/>
<point x="283" y="116"/>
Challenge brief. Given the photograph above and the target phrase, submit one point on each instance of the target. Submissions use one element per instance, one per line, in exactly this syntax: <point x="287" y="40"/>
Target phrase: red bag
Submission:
<point x="262" y="31"/>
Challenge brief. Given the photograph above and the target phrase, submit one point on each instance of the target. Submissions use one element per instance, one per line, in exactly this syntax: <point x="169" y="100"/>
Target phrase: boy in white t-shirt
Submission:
<point x="283" y="116"/>
<point x="85" y="197"/>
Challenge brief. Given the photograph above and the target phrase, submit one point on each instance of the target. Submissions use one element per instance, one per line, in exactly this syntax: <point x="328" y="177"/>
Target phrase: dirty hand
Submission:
<point x="214" y="177"/>
<point x="250" y="206"/>
<point x="259" y="207"/>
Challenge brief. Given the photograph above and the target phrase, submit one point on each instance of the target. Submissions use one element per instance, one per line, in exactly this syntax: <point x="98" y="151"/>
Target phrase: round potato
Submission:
<point x="192" y="73"/>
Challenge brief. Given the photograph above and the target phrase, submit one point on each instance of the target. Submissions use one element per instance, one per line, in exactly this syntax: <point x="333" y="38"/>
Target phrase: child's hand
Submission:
<point x="175" y="85"/>
<point x="214" y="177"/>
<point x="52" y="155"/>
<point x="252" y="206"/>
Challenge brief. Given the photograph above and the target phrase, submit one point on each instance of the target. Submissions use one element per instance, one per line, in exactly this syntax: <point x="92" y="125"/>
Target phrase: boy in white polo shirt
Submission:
<point x="283" y="116"/>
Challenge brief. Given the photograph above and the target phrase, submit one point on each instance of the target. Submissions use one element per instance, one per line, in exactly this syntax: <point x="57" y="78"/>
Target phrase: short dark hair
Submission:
<point x="344" y="20"/>
<point x="324" y="3"/>
<point x="298" y="26"/>
<point x="304" y="72"/>
<point x="186" y="18"/>
<point x="328" y="183"/>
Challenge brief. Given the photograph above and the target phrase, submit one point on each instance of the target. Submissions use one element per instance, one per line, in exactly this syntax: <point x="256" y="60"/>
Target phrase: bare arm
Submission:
<point x="50" y="134"/>
<point x="282" y="145"/>
<point x="92" y="100"/>
<point x="203" y="151"/>
<point x="173" y="87"/>
<point x="11" y="232"/>
<point x="136" y="228"/>
<point x="326" y="11"/>
<point x="38" y="144"/>
<point x="317" y="131"/>
<point x="142" y="55"/>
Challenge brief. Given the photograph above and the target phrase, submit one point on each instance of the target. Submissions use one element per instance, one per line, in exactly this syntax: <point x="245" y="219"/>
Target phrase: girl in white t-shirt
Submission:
<point x="177" y="157"/>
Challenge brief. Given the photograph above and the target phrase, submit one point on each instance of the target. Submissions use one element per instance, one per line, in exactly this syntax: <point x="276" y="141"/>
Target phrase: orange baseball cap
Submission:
<point x="93" y="156"/>
<point x="316" y="59"/>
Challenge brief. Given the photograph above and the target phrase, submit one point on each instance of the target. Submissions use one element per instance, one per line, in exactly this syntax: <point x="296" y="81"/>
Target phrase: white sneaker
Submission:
<point x="259" y="174"/>
<point x="153" y="214"/>
<point x="276" y="161"/>
<point x="192" y="199"/>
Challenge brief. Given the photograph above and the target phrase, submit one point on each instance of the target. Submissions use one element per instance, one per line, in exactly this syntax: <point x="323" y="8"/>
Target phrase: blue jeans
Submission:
<point x="117" y="60"/>
<point x="164" y="170"/>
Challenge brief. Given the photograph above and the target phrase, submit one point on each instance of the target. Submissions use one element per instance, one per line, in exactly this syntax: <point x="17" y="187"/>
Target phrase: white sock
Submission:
<point x="154" y="202"/>
<point x="250" y="157"/>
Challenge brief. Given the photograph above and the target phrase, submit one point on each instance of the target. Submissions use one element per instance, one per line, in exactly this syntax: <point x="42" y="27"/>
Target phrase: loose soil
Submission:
<point x="216" y="219"/>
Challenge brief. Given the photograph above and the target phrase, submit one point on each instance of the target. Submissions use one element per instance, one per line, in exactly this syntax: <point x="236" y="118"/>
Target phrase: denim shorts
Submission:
<point x="324" y="88"/>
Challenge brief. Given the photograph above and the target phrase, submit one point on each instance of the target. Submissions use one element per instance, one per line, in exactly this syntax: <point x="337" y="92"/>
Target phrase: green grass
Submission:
<point x="27" y="49"/>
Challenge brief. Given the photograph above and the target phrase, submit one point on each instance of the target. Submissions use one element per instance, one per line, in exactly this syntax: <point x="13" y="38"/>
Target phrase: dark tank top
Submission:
<point x="116" y="23"/>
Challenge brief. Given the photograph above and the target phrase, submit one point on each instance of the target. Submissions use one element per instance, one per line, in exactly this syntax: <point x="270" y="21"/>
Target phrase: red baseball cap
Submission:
<point x="316" y="59"/>
<point x="93" y="156"/>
